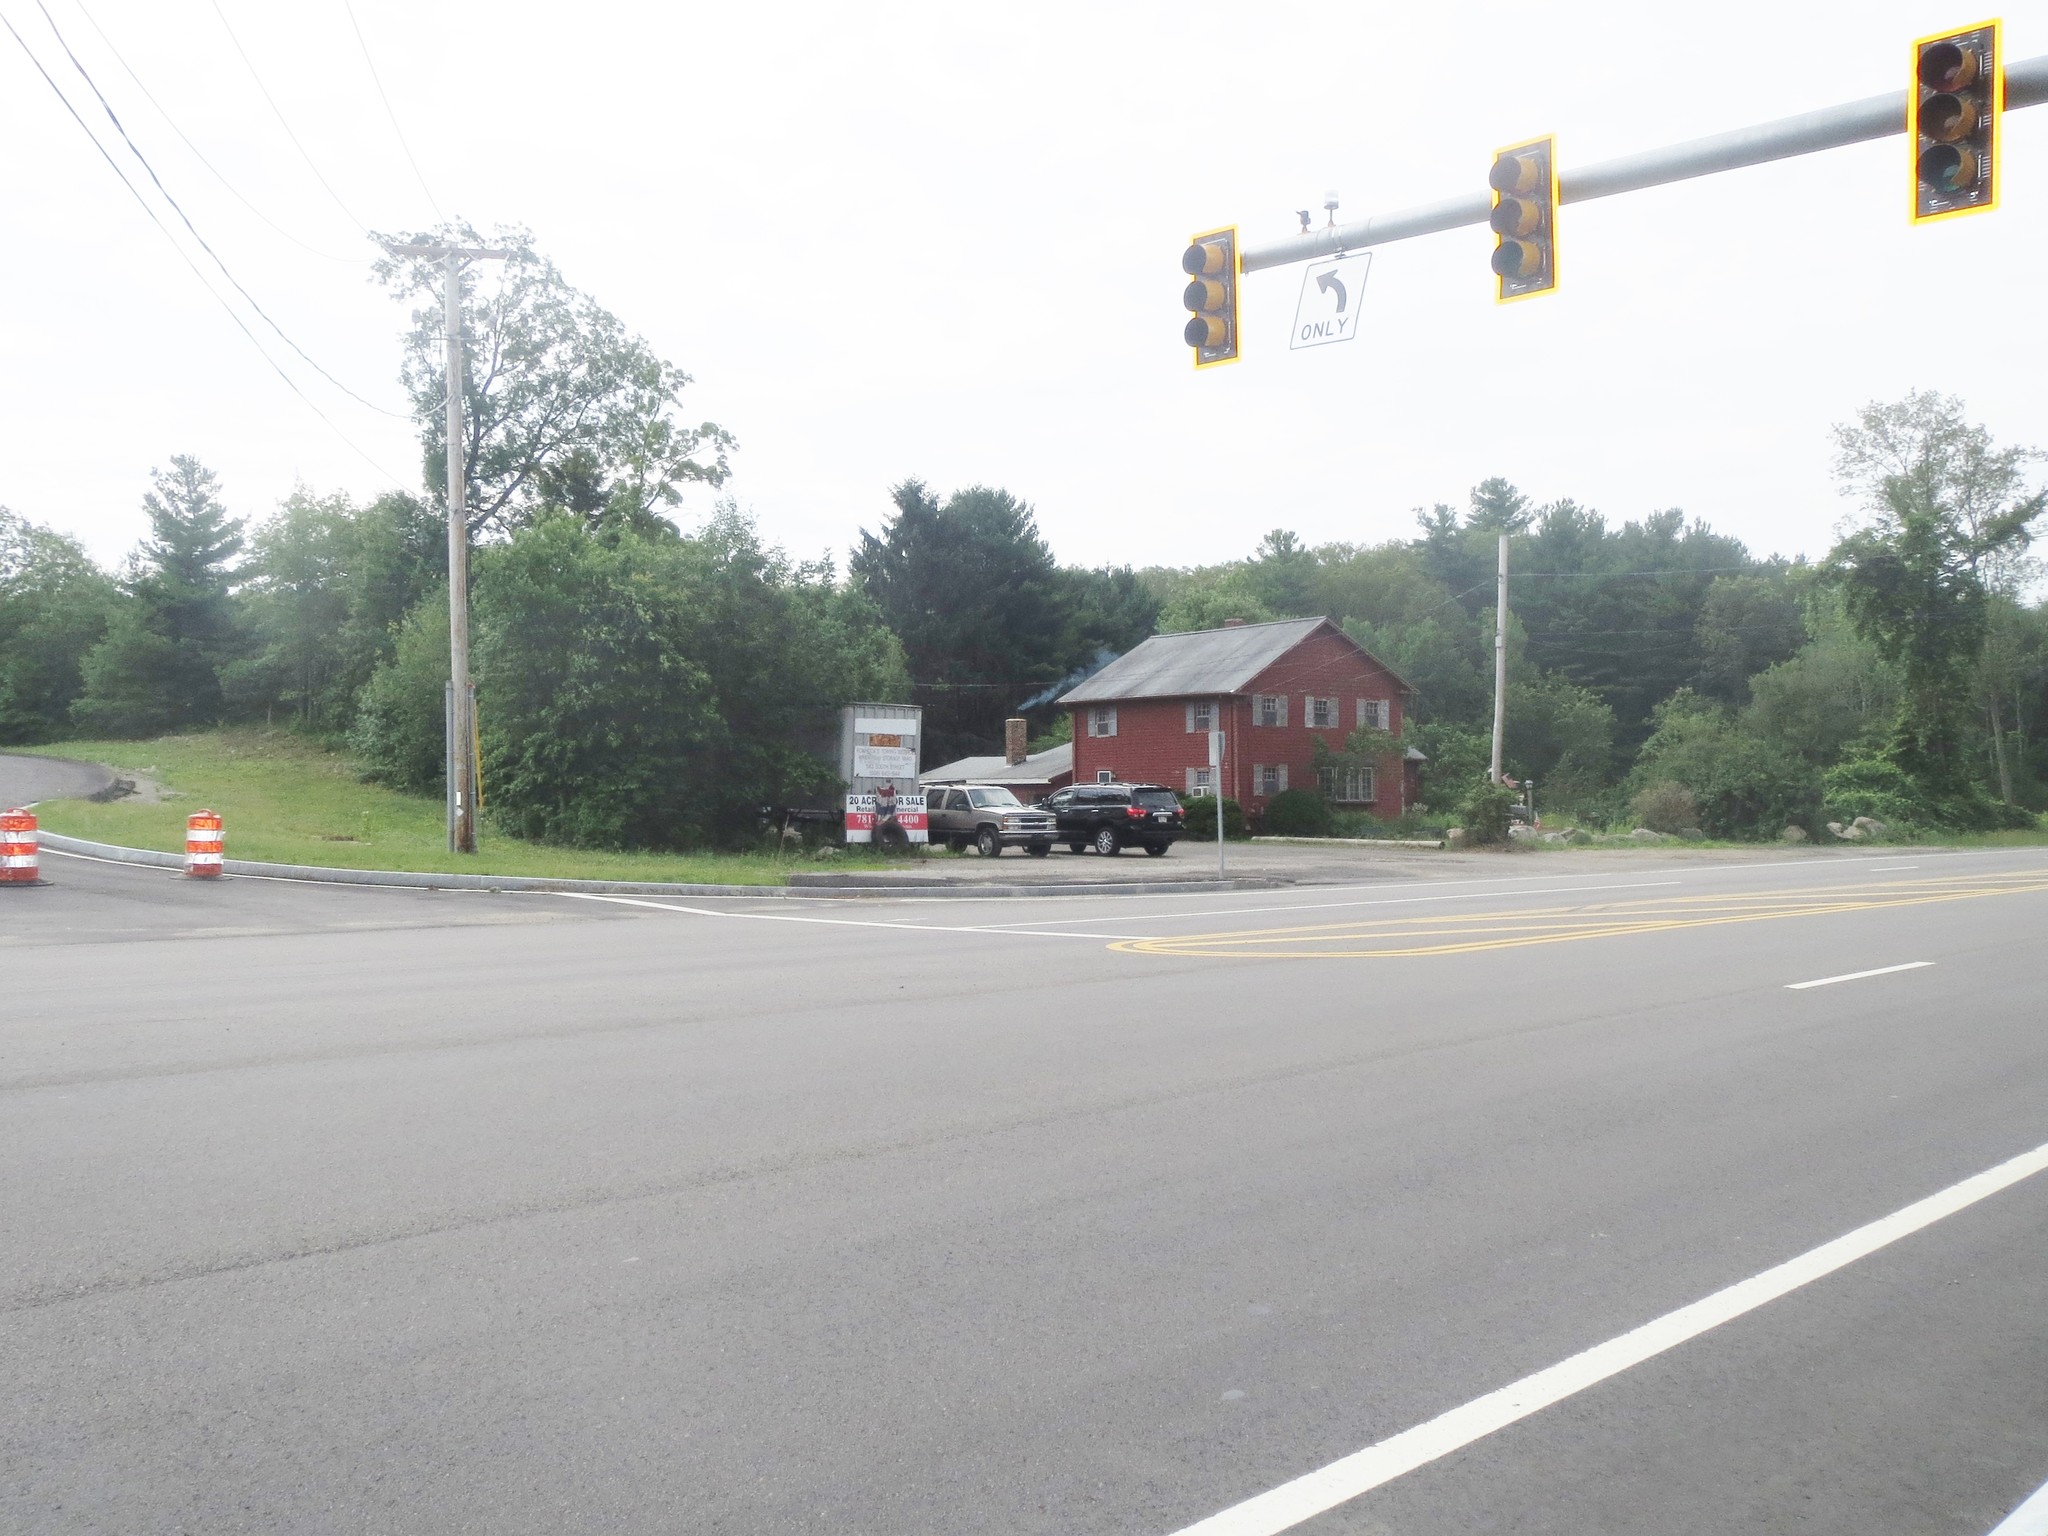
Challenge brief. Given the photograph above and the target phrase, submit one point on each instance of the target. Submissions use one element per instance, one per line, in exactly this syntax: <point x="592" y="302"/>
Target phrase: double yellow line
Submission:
<point x="1468" y="933"/>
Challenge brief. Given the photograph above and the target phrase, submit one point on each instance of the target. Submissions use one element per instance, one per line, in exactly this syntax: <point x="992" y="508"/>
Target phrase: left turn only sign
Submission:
<point x="1331" y="295"/>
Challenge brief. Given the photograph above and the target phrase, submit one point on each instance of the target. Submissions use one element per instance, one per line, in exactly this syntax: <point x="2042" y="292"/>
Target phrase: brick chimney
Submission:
<point x="1015" y="736"/>
<point x="1233" y="623"/>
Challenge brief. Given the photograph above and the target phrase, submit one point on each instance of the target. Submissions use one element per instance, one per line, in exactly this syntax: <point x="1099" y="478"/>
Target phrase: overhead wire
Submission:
<point x="176" y="207"/>
<point x="378" y="80"/>
<point x="250" y="65"/>
<point x="197" y="152"/>
<point x="185" y="256"/>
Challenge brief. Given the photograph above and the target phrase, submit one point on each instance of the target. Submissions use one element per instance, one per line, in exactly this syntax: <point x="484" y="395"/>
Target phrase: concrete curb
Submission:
<point x="114" y="853"/>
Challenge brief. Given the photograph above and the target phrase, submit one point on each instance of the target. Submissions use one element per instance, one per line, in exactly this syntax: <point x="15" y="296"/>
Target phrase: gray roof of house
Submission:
<point x="1196" y="662"/>
<point x="1038" y="768"/>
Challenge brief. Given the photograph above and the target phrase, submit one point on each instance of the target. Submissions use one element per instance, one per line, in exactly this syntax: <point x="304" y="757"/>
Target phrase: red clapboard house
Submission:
<point x="1273" y="689"/>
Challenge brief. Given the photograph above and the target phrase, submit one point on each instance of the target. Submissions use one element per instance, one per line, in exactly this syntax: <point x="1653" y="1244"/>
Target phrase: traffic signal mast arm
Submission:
<point x="1875" y="117"/>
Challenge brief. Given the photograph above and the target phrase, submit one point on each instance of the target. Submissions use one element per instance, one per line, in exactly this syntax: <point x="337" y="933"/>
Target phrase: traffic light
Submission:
<point x="1211" y="265"/>
<point x="1524" y="182"/>
<point x="1957" y="95"/>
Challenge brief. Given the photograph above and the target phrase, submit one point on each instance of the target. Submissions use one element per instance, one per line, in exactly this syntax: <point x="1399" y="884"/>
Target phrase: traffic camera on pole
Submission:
<point x="1524" y="182"/>
<point x="1211" y="296"/>
<point x="1952" y="114"/>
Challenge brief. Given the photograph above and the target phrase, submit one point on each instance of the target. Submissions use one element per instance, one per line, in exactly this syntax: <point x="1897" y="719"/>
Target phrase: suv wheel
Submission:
<point x="1106" y="842"/>
<point x="987" y="843"/>
<point x="1038" y="850"/>
<point x="1077" y="847"/>
<point x="1155" y="850"/>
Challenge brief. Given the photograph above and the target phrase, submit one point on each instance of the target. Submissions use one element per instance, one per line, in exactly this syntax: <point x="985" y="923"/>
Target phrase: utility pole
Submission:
<point x="461" y="760"/>
<point x="1500" y="660"/>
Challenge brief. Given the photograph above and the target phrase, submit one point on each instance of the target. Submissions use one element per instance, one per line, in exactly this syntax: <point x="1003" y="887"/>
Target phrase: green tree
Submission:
<point x="159" y="665"/>
<point x="641" y="692"/>
<point x="1746" y="623"/>
<point x="1281" y="573"/>
<point x="54" y="608"/>
<point x="295" y="597"/>
<point x="972" y="591"/>
<point x="564" y="407"/>
<point x="1945" y="509"/>
<point x="1744" y="786"/>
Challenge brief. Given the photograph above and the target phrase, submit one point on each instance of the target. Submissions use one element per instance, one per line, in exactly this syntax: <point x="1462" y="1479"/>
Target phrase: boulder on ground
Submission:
<point x="1521" y="834"/>
<point x="1852" y="834"/>
<point x="1792" y="834"/>
<point x="1835" y="828"/>
<point x="1556" y="839"/>
<point x="1577" y="836"/>
<point x="1645" y="835"/>
<point x="1456" y="837"/>
<point x="1871" y="826"/>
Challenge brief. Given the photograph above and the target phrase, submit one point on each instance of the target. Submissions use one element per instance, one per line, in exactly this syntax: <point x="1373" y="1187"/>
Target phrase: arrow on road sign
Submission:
<point x="1324" y="313"/>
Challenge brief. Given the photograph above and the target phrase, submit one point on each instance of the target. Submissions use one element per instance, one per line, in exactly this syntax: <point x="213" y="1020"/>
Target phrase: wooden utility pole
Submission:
<point x="462" y="734"/>
<point x="1500" y="661"/>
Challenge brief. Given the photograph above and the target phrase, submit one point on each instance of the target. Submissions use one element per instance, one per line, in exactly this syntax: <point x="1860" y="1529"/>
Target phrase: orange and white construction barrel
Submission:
<point x="203" y="845"/>
<point x="18" y="848"/>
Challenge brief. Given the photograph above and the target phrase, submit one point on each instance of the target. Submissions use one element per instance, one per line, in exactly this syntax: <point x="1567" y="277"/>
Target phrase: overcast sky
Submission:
<point x="944" y="242"/>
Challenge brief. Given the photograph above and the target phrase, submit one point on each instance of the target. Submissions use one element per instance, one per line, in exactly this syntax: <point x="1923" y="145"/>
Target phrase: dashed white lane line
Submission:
<point x="1341" y="1481"/>
<point x="2030" y="1519"/>
<point x="829" y="922"/>
<point x="1882" y="970"/>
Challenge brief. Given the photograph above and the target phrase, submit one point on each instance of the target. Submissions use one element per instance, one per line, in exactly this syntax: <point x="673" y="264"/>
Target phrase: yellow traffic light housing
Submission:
<point x="1952" y="121"/>
<point x="1210" y="262"/>
<point x="1524" y="182"/>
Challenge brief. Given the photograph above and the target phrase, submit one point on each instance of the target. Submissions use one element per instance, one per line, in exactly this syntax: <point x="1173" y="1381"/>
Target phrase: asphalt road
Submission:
<point x="25" y="780"/>
<point x="335" y="1209"/>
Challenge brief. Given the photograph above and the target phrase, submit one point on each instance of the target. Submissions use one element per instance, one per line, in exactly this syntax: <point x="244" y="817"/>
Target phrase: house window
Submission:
<point x="1271" y="778"/>
<point x="1102" y="721"/>
<point x="1201" y="717"/>
<point x="1322" y="713"/>
<point x="1373" y="714"/>
<point x="1269" y="708"/>
<point x="1105" y="775"/>
<point x="1199" y="781"/>
<point x="1349" y="786"/>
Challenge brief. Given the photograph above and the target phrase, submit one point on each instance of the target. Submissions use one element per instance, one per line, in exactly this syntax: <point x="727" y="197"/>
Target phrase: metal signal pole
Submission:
<point x="1500" y="660"/>
<point x="462" y="734"/>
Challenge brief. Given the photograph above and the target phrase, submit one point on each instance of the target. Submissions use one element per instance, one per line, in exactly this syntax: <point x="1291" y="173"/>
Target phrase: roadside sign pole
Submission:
<point x="1216" y="777"/>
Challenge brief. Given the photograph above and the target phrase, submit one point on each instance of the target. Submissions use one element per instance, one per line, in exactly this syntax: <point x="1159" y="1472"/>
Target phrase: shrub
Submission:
<point x="1666" y="807"/>
<point x="1484" y="813"/>
<point x="1201" y="811"/>
<point x="1297" y="813"/>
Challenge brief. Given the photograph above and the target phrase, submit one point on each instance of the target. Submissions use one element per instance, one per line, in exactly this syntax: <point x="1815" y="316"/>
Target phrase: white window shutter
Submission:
<point x="1191" y="719"/>
<point x="1283" y="778"/>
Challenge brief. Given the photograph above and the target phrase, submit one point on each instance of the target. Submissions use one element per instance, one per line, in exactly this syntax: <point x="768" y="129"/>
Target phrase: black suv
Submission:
<point x="1107" y="816"/>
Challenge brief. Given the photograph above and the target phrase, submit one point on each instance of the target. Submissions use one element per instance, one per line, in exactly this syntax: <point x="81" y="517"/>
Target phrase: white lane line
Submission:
<point x="829" y="922"/>
<point x="1882" y="970"/>
<point x="1383" y="901"/>
<point x="1310" y="1495"/>
<point x="2030" y="1519"/>
<point x="1879" y="868"/>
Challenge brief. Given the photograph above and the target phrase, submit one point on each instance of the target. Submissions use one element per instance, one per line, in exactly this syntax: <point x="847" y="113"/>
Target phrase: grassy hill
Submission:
<point x="288" y="800"/>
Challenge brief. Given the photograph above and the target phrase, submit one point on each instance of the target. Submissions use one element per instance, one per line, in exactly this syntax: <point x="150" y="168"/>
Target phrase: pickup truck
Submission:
<point x="989" y="816"/>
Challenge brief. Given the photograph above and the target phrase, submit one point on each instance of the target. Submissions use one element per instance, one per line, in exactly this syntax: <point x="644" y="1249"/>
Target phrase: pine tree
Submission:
<point x="159" y="666"/>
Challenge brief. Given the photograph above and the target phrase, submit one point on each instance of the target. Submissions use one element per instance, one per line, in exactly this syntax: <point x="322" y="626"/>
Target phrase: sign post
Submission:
<point x="1216" y="782"/>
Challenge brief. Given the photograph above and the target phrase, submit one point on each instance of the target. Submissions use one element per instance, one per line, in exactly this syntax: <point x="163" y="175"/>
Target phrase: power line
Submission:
<point x="199" y="154"/>
<point x="249" y="64"/>
<point x="185" y="256"/>
<point x="203" y="245"/>
<point x="378" y="79"/>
